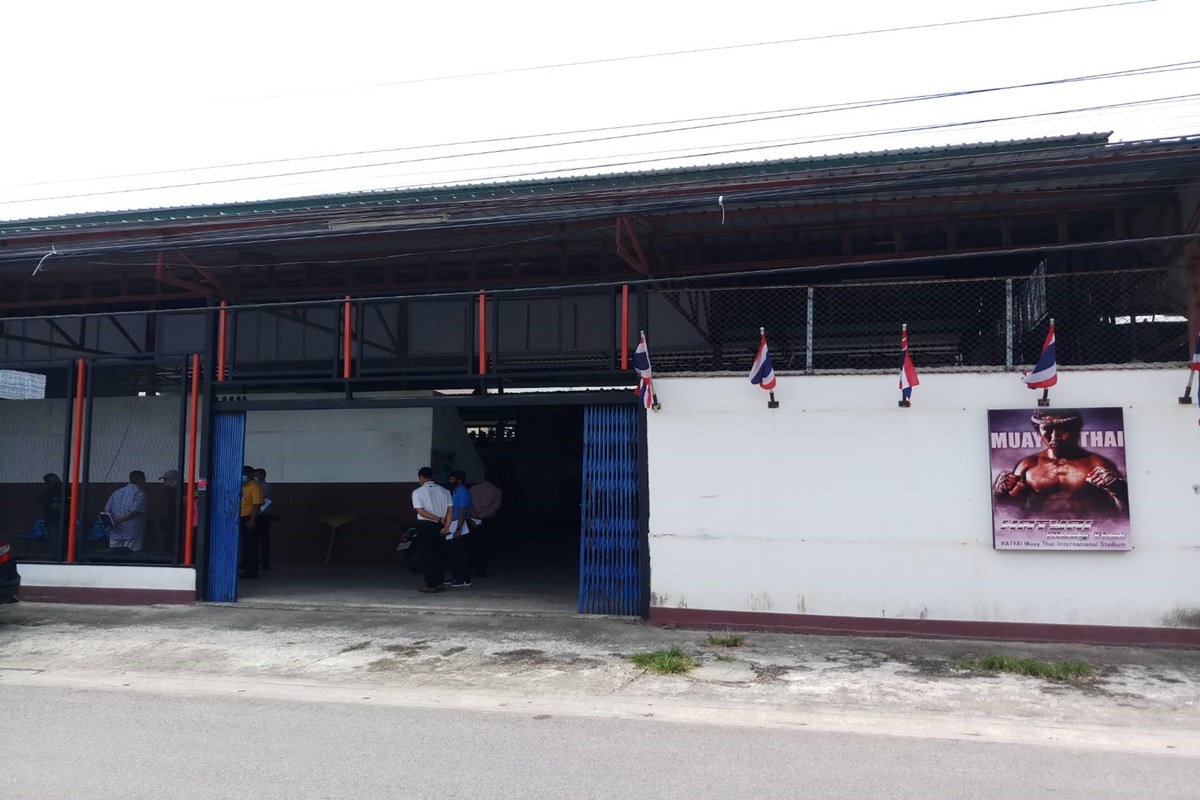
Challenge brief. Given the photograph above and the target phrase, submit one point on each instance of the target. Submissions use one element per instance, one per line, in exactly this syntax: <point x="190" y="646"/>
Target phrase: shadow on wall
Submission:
<point x="379" y="514"/>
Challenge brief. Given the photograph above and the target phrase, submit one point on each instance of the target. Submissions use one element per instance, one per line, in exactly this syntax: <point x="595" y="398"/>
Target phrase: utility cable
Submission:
<point x="695" y="124"/>
<point x="717" y="49"/>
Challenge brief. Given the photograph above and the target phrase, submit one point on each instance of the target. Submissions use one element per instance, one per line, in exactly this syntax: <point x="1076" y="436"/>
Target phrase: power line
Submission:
<point x="868" y="134"/>
<point x="759" y="117"/>
<point x="675" y="154"/>
<point x="717" y="49"/>
<point x="692" y="123"/>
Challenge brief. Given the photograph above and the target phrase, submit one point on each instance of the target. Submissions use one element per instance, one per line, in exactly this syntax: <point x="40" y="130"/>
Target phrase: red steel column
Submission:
<point x="189" y="540"/>
<point x="77" y="458"/>
<point x="221" y="326"/>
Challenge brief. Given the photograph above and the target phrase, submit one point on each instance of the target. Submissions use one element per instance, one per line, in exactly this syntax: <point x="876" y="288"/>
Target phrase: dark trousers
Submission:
<point x="249" y="548"/>
<point x="429" y="539"/>
<point x="481" y="547"/>
<point x="460" y="558"/>
<point x="264" y="539"/>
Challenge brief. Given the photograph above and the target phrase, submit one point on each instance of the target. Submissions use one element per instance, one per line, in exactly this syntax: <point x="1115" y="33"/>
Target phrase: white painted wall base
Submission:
<point x="103" y="576"/>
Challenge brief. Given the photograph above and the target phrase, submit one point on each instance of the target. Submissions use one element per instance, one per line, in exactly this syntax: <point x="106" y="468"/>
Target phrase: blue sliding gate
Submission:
<point x="229" y="450"/>
<point x="612" y="554"/>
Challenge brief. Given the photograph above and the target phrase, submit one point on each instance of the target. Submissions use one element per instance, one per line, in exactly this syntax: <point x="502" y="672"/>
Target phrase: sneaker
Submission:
<point x="460" y="584"/>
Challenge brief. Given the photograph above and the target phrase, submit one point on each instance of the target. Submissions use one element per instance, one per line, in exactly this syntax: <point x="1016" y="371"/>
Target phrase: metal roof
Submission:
<point x="714" y="174"/>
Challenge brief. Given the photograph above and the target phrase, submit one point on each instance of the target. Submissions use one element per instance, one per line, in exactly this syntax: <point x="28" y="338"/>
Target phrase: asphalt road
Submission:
<point x="93" y="743"/>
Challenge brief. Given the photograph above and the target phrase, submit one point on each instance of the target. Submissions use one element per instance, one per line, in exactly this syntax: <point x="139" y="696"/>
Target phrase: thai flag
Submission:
<point x="908" y="373"/>
<point x="641" y="365"/>
<point x="1045" y="372"/>
<point x="1196" y="355"/>
<point x="762" y="373"/>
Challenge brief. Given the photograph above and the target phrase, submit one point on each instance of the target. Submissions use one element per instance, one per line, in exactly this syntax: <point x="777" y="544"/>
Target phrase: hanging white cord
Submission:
<point x="53" y="252"/>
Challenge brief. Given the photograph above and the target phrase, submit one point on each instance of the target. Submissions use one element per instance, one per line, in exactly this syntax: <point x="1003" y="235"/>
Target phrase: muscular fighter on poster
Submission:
<point x="1064" y="480"/>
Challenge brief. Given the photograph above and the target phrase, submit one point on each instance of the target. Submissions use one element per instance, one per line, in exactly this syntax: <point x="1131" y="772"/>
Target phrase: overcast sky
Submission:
<point x="157" y="96"/>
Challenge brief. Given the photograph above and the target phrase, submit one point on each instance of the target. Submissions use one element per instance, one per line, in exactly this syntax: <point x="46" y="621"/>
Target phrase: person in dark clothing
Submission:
<point x="52" y="499"/>
<point x="458" y="529"/>
<point x="252" y="501"/>
<point x="486" y="498"/>
<point x="265" y="517"/>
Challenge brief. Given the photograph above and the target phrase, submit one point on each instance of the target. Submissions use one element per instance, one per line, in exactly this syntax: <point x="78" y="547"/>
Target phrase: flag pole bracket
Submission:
<point x="772" y="403"/>
<point x="1186" y="400"/>
<point x="905" y="404"/>
<point x="1044" y="400"/>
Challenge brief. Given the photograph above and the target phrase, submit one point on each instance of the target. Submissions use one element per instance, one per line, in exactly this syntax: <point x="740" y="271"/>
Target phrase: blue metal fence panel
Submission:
<point x="229" y="446"/>
<point x="610" y="549"/>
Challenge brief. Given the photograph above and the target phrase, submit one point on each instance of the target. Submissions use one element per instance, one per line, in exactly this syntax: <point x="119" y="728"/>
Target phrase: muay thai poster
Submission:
<point x="1059" y="479"/>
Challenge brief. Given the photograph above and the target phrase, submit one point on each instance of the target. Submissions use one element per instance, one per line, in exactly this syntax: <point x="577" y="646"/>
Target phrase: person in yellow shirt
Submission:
<point x="252" y="501"/>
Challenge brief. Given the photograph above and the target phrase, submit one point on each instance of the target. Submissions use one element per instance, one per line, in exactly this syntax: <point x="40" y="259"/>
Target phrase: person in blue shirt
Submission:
<point x="458" y="530"/>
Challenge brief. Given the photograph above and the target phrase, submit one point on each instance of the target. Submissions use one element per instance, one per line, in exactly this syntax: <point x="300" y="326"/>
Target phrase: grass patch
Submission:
<point x="726" y="640"/>
<point x="1063" y="671"/>
<point x="665" y="662"/>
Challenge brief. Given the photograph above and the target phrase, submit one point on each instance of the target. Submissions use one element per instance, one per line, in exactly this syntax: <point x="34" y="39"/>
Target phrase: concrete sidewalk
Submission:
<point x="1140" y="701"/>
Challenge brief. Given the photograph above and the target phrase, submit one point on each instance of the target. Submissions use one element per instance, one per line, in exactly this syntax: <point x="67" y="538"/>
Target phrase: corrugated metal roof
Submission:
<point x="711" y="173"/>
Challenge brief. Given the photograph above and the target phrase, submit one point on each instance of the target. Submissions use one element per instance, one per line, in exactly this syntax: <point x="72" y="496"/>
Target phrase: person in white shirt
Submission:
<point x="432" y="504"/>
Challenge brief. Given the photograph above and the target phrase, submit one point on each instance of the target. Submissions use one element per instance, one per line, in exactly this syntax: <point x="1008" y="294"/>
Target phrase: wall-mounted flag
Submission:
<point x="1045" y="371"/>
<point x="1194" y="368"/>
<point x="641" y="365"/>
<point x="762" y="374"/>
<point x="908" y="373"/>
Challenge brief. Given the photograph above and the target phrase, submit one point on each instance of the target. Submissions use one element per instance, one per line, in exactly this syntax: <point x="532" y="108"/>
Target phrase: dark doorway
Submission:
<point x="535" y="454"/>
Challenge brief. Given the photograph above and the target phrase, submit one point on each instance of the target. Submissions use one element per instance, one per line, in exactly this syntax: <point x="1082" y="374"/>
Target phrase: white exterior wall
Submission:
<point x="840" y="503"/>
<point x="376" y="445"/>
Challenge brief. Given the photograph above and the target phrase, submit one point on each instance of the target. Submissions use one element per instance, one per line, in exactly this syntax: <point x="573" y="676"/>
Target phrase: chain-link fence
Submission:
<point x="281" y="341"/>
<point x="1126" y="318"/>
<point x="555" y="330"/>
<point x="133" y="453"/>
<point x="1129" y="318"/>
<point x="130" y="439"/>
<point x="421" y="336"/>
<point x="34" y="450"/>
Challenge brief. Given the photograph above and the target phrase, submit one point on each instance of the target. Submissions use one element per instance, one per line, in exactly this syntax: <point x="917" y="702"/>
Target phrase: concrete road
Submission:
<point x="84" y="743"/>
